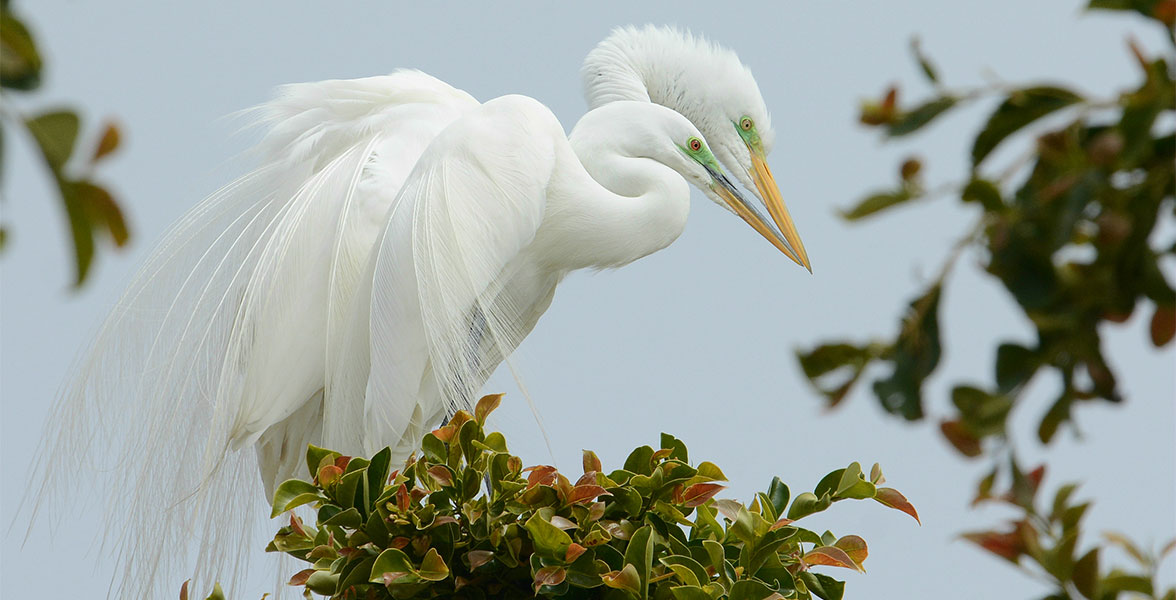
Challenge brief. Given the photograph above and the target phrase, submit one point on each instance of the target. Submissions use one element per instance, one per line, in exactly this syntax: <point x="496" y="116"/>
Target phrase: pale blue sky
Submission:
<point x="624" y="355"/>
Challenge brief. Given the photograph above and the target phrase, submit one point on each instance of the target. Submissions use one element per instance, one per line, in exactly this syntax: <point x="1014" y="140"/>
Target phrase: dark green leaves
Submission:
<point x="913" y="120"/>
<point x="1019" y="109"/>
<point x="876" y="202"/>
<point x="20" y="62"/>
<point x="913" y="357"/>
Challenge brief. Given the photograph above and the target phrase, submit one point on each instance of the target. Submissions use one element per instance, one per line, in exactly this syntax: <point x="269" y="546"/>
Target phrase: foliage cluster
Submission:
<point x="1069" y="230"/>
<point x="465" y="519"/>
<point x="89" y="207"/>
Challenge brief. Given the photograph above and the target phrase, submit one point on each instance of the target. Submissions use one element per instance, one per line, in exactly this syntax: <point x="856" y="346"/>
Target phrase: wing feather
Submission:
<point x="223" y="333"/>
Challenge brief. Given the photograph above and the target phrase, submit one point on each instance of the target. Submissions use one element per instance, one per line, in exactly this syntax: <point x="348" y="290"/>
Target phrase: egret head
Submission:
<point x="711" y="87"/>
<point x="644" y="130"/>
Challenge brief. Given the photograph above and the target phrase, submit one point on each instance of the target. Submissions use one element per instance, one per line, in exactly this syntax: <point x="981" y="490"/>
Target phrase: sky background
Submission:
<point x="624" y="355"/>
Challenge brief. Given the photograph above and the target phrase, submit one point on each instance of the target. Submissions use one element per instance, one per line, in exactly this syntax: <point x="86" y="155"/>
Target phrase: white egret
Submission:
<point x="397" y="243"/>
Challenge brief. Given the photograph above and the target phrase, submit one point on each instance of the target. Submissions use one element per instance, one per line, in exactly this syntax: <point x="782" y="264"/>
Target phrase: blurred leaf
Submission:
<point x="914" y="357"/>
<point x="985" y="193"/>
<point x="925" y="65"/>
<point x="914" y="120"/>
<point x="20" y="63"/>
<point x="821" y="362"/>
<point x="102" y="211"/>
<point x="1163" y="325"/>
<point x="80" y="228"/>
<point x="1019" y="109"/>
<point x="874" y="203"/>
<point x="107" y="143"/>
<point x="1085" y="576"/>
<point x="55" y="133"/>
<point x="1015" y="364"/>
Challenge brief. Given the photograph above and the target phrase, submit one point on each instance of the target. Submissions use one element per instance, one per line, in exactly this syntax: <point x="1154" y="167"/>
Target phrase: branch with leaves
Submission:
<point x="1069" y="230"/>
<point x="89" y="208"/>
<point x="465" y="519"/>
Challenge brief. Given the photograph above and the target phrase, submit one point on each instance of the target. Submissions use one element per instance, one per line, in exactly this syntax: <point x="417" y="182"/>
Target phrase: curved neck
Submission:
<point x="612" y="209"/>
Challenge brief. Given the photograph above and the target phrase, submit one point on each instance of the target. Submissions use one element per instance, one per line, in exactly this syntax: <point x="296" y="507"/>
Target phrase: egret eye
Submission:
<point x="695" y="144"/>
<point x="745" y="123"/>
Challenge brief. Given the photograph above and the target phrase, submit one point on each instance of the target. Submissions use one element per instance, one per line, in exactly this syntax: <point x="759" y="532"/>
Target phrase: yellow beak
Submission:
<point x="753" y="217"/>
<point x="770" y="193"/>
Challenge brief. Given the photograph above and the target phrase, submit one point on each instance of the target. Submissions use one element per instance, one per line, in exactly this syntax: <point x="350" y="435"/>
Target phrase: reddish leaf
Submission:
<point x="549" y="576"/>
<point x="588" y="478"/>
<point x="184" y="590"/>
<point x="108" y="143"/>
<point x="699" y="493"/>
<point x="478" y="558"/>
<point x="855" y="547"/>
<point x="830" y="556"/>
<point x="486" y="406"/>
<point x="399" y="542"/>
<point x="441" y="475"/>
<point x="445" y="434"/>
<point x="443" y="520"/>
<point x="591" y="462"/>
<point x="962" y="439"/>
<point x="584" y="493"/>
<point x="1163" y="325"/>
<point x="296" y="525"/>
<point x="574" y="552"/>
<point x="894" y="499"/>
<point x="540" y="475"/>
<point x="329" y="475"/>
<point x="783" y="522"/>
<point x="402" y="498"/>
<point x="300" y="577"/>
<point x="342" y="462"/>
<point x="1008" y="545"/>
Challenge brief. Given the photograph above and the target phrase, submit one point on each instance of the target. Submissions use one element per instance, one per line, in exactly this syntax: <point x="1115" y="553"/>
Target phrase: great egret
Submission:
<point x="398" y="242"/>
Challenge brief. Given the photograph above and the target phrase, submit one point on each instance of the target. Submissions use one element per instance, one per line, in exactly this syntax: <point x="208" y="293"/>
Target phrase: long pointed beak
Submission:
<point x="748" y="212"/>
<point x="770" y="193"/>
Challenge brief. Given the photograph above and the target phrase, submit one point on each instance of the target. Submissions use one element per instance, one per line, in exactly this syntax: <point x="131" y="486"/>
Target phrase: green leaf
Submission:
<point x="822" y="585"/>
<point x="807" y="503"/>
<point x="924" y="63"/>
<point x="548" y="539"/>
<point x="293" y="493"/>
<point x="984" y="192"/>
<point x="876" y="202"/>
<point x="749" y="589"/>
<point x="433" y="567"/>
<point x="21" y="67"/>
<point x="639" y="555"/>
<point x="1085" y="576"/>
<point x="1015" y="364"/>
<point x="914" y="356"/>
<point x="55" y="132"/>
<point x="778" y="494"/>
<point x="639" y="461"/>
<point x="624" y="579"/>
<point x="101" y="210"/>
<point x="833" y="369"/>
<point x="910" y="122"/>
<point x="217" y="593"/>
<point x="395" y="563"/>
<point x="1019" y="109"/>
<point x="80" y="228"/>
<point x="689" y="571"/>
<point x="315" y="457"/>
<point x="689" y="592"/>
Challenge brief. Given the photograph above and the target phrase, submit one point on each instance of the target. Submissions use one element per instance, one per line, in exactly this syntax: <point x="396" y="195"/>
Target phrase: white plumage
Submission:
<point x="396" y="244"/>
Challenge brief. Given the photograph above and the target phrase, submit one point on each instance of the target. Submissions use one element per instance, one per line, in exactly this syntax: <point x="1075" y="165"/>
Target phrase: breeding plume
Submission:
<point x="396" y="244"/>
